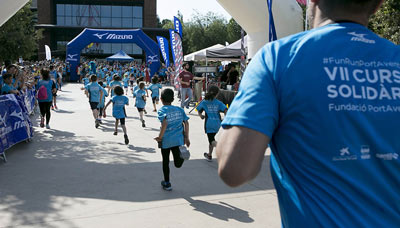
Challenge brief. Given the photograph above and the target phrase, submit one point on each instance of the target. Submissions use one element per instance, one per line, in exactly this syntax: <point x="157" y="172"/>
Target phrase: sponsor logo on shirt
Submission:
<point x="360" y="38"/>
<point x="388" y="156"/>
<point x="345" y="155"/>
<point x="365" y="152"/>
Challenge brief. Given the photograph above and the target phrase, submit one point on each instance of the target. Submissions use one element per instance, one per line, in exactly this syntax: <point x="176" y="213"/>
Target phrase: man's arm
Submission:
<point x="240" y="153"/>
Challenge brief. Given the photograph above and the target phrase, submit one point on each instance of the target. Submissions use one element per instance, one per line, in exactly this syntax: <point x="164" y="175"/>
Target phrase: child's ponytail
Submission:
<point x="211" y="93"/>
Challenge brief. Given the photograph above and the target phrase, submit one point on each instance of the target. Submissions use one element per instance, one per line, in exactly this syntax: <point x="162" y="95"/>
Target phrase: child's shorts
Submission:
<point x="155" y="99"/>
<point x="93" y="105"/>
<point x="140" y="109"/>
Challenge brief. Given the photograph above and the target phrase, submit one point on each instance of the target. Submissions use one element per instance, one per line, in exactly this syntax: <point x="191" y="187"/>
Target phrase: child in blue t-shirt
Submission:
<point x="8" y="87"/>
<point x="155" y="91"/>
<point x="119" y="101"/>
<point x="140" y="103"/>
<point x="126" y="83"/>
<point x="113" y="84"/>
<point x="101" y="104"/>
<point x="212" y="107"/>
<point x="174" y="133"/>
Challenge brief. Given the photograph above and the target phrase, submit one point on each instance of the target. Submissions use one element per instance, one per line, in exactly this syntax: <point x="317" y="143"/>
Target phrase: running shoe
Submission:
<point x="42" y="122"/>
<point x="145" y="112"/>
<point x="143" y="124"/>
<point x="96" y="124"/>
<point x="207" y="157"/>
<point x="47" y="126"/>
<point x="126" y="139"/>
<point x="166" y="185"/>
<point x="115" y="132"/>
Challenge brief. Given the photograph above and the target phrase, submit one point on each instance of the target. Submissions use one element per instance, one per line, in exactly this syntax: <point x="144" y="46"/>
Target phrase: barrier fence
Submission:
<point x="15" y="123"/>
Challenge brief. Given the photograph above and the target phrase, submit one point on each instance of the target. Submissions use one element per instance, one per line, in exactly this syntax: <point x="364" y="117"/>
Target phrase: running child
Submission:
<point x="126" y="83"/>
<point x="101" y="105"/>
<point x="155" y="91"/>
<point x="141" y="101"/>
<point x="173" y="134"/>
<point x="212" y="108"/>
<point x="119" y="101"/>
<point x="46" y="88"/>
<point x="95" y="92"/>
<point x="113" y="84"/>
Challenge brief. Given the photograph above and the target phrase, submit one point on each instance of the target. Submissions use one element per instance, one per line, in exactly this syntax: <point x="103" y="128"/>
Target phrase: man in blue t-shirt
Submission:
<point x="95" y="92"/>
<point x="327" y="101"/>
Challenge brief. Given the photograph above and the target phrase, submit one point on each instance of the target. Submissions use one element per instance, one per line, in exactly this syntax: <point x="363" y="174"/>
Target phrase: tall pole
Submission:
<point x="243" y="54"/>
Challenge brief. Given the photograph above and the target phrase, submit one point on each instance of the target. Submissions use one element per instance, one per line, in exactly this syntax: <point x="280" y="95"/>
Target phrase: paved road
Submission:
<point x="77" y="176"/>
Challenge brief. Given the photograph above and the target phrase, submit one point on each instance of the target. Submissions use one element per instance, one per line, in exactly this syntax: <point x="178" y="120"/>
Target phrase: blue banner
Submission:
<point x="15" y="124"/>
<point x="177" y="51"/>
<point x="163" y="43"/>
<point x="272" y="32"/>
<point x="178" y="26"/>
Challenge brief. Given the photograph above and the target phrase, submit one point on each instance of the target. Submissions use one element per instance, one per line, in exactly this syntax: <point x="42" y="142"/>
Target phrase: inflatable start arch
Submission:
<point x="87" y="36"/>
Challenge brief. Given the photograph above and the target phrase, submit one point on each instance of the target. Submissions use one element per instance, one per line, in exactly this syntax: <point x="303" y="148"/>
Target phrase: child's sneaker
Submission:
<point x="47" y="126"/>
<point x="166" y="185"/>
<point x="143" y="124"/>
<point x="115" y="132"/>
<point x="96" y="123"/>
<point x="126" y="139"/>
<point x="207" y="157"/>
<point x="145" y="112"/>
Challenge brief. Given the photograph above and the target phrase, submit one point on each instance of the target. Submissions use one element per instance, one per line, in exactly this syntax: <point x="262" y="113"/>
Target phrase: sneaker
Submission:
<point x="145" y="112"/>
<point x="166" y="185"/>
<point x="47" y="126"/>
<point x="143" y="124"/>
<point x="96" y="124"/>
<point x="207" y="157"/>
<point x="115" y="132"/>
<point x="42" y="122"/>
<point x="155" y="110"/>
<point x="100" y="122"/>
<point x="126" y="139"/>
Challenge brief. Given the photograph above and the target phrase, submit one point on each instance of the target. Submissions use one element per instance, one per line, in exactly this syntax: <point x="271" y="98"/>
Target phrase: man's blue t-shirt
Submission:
<point x="155" y="90"/>
<point x="213" y="118"/>
<point x="5" y="89"/>
<point x="119" y="103"/>
<point x="329" y="100"/>
<point x="175" y="117"/>
<point x="94" y="91"/>
<point x="49" y="87"/>
<point x="140" y="103"/>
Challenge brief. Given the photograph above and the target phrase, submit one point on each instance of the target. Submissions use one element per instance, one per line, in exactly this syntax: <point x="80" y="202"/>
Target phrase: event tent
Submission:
<point x="201" y="55"/>
<point x="230" y="52"/>
<point x="120" y="56"/>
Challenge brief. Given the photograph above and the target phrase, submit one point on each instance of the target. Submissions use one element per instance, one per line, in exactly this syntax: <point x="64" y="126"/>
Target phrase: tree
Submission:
<point x="386" y="22"/>
<point x="18" y="36"/>
<point x="233" y="30"/>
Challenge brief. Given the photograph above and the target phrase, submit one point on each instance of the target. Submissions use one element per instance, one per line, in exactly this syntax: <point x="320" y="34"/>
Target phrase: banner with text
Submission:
<point x="178" y="26"/>
<point x="15" y="124"/>
<point x="177" y="51"/>
<point x="163" y="43"/>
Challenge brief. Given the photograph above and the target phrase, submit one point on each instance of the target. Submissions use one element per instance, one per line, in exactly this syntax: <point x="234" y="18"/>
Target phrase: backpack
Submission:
<point x="42" y="93"/>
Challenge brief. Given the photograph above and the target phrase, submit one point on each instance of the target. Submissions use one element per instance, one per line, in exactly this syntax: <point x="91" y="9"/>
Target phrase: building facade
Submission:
<point x="62" y="20"/>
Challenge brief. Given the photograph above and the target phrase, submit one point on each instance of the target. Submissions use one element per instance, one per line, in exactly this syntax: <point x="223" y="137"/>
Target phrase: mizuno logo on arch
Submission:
<point x="113" y="36"/>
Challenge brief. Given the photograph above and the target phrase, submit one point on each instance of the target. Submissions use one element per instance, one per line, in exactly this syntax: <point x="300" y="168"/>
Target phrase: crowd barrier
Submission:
<point x="15" y="123"/>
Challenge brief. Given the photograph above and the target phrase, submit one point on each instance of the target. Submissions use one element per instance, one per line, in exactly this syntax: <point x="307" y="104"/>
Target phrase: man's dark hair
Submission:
<point x="45" y="74"/>
<point x="211" y="93"/>
<point x="118" y="91"/>
<point x="167" y="95"/>
<point x="141" y="85"/>
<point x="367" y="6"/>
<point x="93" y="78"/>
<point x="101" y="83"/>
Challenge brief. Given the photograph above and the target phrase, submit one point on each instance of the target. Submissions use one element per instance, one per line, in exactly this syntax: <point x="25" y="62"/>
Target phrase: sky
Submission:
<point x="167" y="9"/>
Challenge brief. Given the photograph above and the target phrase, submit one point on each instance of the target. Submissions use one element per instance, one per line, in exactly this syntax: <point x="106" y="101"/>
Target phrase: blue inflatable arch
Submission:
<point x="87" y="36"/>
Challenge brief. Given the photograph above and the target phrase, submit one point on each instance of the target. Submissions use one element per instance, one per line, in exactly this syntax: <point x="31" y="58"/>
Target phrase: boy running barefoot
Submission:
<point x="173" y="134"/>
<point x="119" y="101"/>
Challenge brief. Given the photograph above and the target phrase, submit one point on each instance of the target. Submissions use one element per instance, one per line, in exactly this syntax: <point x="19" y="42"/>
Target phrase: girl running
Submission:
<point x="212" y="107"/>
<point x="155" y="91"/>
<point x="46" y="88"/>
<point x="119" y="101"/>
<point x="173" y="134"/>
<point x="141" y="101"/>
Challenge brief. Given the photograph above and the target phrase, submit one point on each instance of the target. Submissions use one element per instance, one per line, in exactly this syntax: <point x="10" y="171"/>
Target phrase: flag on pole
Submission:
<point x="243" y="55"/>
<point x="177" y="51"/>
<point x="178" y="26"/>
<point x="163" y="43"/>
<point x="272" y="32"/>
<point x="48" y="52"/>
<point x="303" y="2"/>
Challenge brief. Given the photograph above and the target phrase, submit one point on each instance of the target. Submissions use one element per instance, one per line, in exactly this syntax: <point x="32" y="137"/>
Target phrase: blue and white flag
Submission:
<point x="163" y="43"/>
<point x="178" y="26"/>
<point x="177" y="51"/>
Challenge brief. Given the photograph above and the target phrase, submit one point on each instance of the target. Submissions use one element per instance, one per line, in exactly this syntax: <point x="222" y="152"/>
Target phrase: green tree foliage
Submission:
<point x="204" y="30"/>
<point x="18" y="36"/>
<point x="386" y="22"/>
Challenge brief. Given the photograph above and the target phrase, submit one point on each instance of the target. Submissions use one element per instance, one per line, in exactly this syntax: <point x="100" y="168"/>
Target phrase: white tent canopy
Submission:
<point x="9" y="8"/>
<point x="200" y="55"/>
<point x="252" y="15"/>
